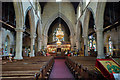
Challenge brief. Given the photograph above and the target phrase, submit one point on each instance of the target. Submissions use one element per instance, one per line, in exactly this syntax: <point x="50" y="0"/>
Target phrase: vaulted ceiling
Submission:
<point x="75" y="4"/>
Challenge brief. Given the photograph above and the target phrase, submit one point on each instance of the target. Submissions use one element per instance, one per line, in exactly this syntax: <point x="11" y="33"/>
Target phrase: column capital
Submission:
<point x="19" y="30"/>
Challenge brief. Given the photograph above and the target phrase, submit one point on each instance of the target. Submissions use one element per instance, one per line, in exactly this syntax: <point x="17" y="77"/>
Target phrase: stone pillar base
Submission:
<point x="32" y="55"/>
<point x="19" y="58"/>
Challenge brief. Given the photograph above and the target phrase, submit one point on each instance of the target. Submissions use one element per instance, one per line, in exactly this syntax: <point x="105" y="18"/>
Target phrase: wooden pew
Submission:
<point x="27" y="68"/>
<point x="83" y="67"/>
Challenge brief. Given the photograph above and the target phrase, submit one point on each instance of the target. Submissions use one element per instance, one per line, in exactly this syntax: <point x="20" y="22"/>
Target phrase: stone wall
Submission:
<point x="115" y="38"/>
<point x="53" y="8"/>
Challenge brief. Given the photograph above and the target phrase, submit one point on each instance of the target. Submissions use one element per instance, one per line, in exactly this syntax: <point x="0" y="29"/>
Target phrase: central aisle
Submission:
<point x="60" y="70"/>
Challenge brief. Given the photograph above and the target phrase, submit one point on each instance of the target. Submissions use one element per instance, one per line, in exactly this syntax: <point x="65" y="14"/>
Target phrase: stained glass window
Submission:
<point x="94" y="45"/>
<point x="91" y="43"/>
<point x="110" y="45"/>
<point x="6" y="46"/>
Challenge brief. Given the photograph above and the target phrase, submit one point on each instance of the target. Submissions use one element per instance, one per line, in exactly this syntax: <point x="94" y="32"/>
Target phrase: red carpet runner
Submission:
<point x="61" y="71"/>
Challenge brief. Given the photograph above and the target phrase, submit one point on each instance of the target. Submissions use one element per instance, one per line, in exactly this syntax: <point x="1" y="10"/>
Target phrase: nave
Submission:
<point x="70" y="40"/>
<point x="51" y="68"/>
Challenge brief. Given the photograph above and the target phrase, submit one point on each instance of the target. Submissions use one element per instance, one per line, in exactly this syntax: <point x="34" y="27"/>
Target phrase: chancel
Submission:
<point x="60" y="39"/>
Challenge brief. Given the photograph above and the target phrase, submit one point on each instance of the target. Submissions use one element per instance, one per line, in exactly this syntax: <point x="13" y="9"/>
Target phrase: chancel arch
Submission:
<point x="72" y="32"/>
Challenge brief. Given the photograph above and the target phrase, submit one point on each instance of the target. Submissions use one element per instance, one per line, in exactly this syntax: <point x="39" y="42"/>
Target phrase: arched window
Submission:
<point x="110" y="45"/>
<point x="7" y="46"/>
<point x="91" y="43"/>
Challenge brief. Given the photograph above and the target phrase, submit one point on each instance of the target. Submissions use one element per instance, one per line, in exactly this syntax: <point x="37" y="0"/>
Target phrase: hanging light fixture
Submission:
<point x="59" y="33"/>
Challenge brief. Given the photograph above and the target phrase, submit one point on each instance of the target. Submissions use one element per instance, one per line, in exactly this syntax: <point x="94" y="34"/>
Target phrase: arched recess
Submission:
<point x="31" y="29"/>
<point x="7" y="43"/>
<point x="26" y="34"/>
<point x="79" y="38"/>
<point x="89" y="11"/>
<point x="71" y="27"/>
<point x="88" y="29"/>
<point x="38" y="40"/>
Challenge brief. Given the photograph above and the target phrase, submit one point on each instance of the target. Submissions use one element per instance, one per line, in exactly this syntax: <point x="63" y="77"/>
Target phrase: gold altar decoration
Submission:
<point x="58" y="42"/>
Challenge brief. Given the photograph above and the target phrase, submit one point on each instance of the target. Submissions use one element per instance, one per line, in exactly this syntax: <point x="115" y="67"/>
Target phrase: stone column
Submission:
<point x="19" y="34"/>
<point x="39" y="44"/>
<point x="78" y="44"/>
<point x="45" y="41"/>
<point x="85" y="45"/>
<point x="100" y="44"/>
<point x="32" y="47"/>
<point x="71" y="40"/>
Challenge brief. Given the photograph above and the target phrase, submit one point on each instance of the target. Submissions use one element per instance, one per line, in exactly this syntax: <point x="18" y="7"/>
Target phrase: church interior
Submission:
<point x="59" y="39"/>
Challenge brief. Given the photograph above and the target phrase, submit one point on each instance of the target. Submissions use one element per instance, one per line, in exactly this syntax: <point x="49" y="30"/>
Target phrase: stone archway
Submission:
<point x="70" y="25"/>
<point x="79" y="34"/>
<point x="39" y="35"/>
<point x="32" y="31"/>
<point x="85" y="29"/>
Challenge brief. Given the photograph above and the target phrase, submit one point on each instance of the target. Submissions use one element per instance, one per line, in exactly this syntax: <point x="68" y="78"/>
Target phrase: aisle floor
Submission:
<point x="61" y="71"/>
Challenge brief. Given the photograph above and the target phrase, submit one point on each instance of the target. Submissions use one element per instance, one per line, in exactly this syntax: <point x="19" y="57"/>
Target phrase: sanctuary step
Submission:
<point x="27" y="69"/>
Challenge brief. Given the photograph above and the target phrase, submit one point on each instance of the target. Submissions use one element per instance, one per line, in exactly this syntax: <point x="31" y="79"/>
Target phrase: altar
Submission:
<point x="54" y="49"/>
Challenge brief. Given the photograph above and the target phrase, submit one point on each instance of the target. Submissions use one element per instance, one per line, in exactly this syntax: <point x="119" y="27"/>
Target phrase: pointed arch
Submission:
<point x="68" y="22"/>
<point x="86" y="21"/>
<point x="26" y="12"/>
<point x="32" y="22"/>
